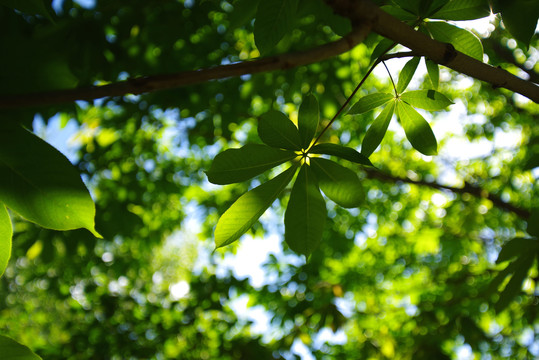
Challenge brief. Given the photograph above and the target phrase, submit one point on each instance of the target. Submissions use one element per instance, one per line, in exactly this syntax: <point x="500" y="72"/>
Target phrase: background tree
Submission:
<point x="439" y="258"/>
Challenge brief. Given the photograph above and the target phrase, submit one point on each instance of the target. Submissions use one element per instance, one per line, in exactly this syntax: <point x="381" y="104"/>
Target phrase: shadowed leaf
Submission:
<point x="338" y="183"/>
<point x="369" y="102"/>
<point x="308" y="116"/>
<point x="277" y="130"/>
<point x="377" y="130"/>
<point x="343" y="152"/>
<point x="417" y="129"/>
<point x="12" y="350"/>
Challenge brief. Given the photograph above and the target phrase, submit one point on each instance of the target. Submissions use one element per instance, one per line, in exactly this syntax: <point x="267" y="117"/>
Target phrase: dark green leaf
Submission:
<point x="249" y="207"/>
<point x="237" y="165"/>
<point x="383" y="47"/>
<point x="6" y="232"/>
<point x="338" y="183"/>
<point x="463" y="10"/>
<point x="514" y="285"/>
<point x="341" y="151"/>
<point x="517" y="247"/>
<point x="276" y="130"/>
<point x="519" y="17"/>
<point x="370" y="102"/>
<point x="406" y="74"/>
<point x="463" y="40"/>
<point x="533" y="222"/>
<point x="308" y="116"/>
<point x="434" y="72"/>
<point x="31" y="7"/>
<point x="417" y="129"/>
<point x="377" y="130"/>
<point x="244" y="11"/>
<point x="274" y="18"/>
<point x="399" y="13"/>
<point x="305" y="214"/>
<point x="411" y="6"/>
<point x="40" y="184"/>
<point x="12" y="350"/>
<point x="430" y="100"/>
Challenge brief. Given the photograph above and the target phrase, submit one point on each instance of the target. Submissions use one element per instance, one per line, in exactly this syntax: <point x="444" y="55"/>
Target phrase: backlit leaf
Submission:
<point x="274" y="18"/>
<point x="431" y="100"/>
<point x="519" y="17"/>
<point x="277" y="130"/>
<point x="237" y="165"/>
<point x="40" y="184"/>
<point x="383" y="47"/>
<point x="434" y="72"/>
<point x="308" y="116"/>
<point x="369" y="102"/>
<point x="249" y="207"/>
<point x="305" y="214"/>
<point x="12" y="350"/>
<point x="6" y="232"/>
<point x="463" y="10"/>
<point x="406" y="74"/>
<point x="417" y="129"/>
<point x="377" y="130"/>
<point x="343" y="152"/>
<point x="514" y="286"/>
<point x="338" y="183"/>
<point x="463" y="40"/>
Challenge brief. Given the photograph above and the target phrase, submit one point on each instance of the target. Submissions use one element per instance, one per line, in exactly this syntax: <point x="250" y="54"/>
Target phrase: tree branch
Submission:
<point x="169" y="81"/>
<point x="467" y="189"/>
<point x="364" y="11"/>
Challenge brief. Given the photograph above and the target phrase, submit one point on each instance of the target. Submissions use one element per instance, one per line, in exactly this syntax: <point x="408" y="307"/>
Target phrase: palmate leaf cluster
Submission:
<point x="284" y="142"/>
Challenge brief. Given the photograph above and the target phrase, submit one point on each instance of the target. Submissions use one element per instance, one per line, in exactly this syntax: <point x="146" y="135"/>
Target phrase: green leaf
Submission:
<point x="519" y="17"/>
<point x="237" y="165"/>
<point x="277" y="130"/>
<point x="305" y="214"/>
<point x="517" y="247"/>
<point x="343" y="152"/>
<point x="533" y="222"/>
<point x="370" y="102"/>
<point x="338" y="183"/>
<point x="12" y="350"/>
<point x="417" y="129"/>
<point x="463" y="40"/>
<point x="274" y="18"/>
<point x="411" y="6"/>
<point x="399" y="13"/>
<point x="40" y="184"/>
<point x="244" y="11"/>
<point x="308" y="116"/>
<point x="406" y="74"/>
<point x="383" y="47"/>
<point x="463" y="10"/>
<point x="31" y="7"/>
<point x="434" y="72"/>
<point x="431" y="100"/>
<point x="514" y="286"/>
<point x="6" y="233"/>
<point x="249" y="207"/>
<point x="377" y="130"/>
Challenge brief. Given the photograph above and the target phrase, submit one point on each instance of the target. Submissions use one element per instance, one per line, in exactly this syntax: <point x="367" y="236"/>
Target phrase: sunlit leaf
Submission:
<point x="249" y="207"/>
<point x="434" y="72"/>
<point x="463" y="10"/>
<point x="431" y="100"/>
<point x="12" y="350"/>
<point x="370" y="102"/>
<point x="308" y="116"/>
<point x="417" y="129"/>
<point x="305" y="214"/>
<point x="277" y="130"/>
<point x="41" y="185"/>
<point x="463" y="40"/>
<point x="406" y="74"/>
<point x="338" y="183"/>
<point x="377" y="130"/>
<point x="237" y="165"/>
<point x="274" y="18"/>
<point x="6" y="232"/>
<point x="343" y="152"/>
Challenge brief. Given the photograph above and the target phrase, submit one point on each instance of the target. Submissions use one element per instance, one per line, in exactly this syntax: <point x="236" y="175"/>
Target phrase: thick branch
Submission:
<point x="169" y="81"/>
<point x="467" y="189"/>
<point x="445" y="54"/>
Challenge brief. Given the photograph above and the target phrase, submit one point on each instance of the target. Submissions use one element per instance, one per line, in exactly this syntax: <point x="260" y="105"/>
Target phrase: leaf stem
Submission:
<point x="391" y="78"/>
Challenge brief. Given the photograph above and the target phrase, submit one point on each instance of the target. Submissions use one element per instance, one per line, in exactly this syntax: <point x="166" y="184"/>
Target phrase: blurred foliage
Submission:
<point x="408" y="275"/>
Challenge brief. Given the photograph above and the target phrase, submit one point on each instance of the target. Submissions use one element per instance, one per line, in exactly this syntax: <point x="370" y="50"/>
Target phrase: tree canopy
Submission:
<point x="242" y="179"/>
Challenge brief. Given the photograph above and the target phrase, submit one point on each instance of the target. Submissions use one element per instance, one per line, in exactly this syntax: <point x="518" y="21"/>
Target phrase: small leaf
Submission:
<point x="277" y="130"/>
<point x="274" y="18"/>
<point x="6" y="233"/>
<point x="431" y="100"/>
<point x="338" y="183"/>
<point x="517" y="247"/>
<point x="377" y="130"/>
<point x="463" y="10"/>
<point x="343" y="152"/>
<point x="514" y="286"/>
<point x="463" y="40"/>
<point x="383" y="47"/>
<point x="407" y="73"/>
<point x="417" y="129"/>
<point x="370" y="102"/>
<point x="434" y="72"/>
<point x="237" y="165"/>
<point x="305" y="215"/>
<point x="41" y="185"/>
<point x="12" y="350"/>
<point x="249" y="207"/>
<point x="308" y="116"/>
